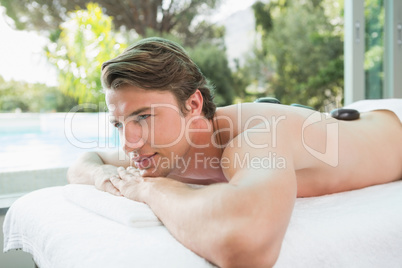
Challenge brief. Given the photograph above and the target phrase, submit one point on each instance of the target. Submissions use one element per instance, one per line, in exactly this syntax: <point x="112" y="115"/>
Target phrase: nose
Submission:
<point x="134" y="136"/>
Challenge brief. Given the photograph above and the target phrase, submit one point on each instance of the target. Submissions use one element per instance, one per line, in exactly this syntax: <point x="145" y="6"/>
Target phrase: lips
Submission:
<point x="143" y="161"/>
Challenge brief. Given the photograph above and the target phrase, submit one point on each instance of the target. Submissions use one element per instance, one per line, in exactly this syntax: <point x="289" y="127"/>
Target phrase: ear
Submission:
<point x="195" y="103"/>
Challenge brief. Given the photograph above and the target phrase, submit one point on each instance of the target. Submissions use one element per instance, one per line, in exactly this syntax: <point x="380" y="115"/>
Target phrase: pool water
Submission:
<point x="52" y="141"/>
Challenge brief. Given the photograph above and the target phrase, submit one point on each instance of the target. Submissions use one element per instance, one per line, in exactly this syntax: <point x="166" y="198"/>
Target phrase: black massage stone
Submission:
<point x="268" y="100"/>
<point x="340" y="114"/>
<point x="345" y="114"/>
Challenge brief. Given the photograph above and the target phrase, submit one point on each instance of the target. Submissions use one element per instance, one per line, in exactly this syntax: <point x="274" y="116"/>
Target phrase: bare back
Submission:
<point x="369" y="152"/>
<point x="329" y="155"/>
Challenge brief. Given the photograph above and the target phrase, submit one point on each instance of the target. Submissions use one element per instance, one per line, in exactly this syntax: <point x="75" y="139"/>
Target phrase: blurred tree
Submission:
<point x="214" y="65"/>
<point x="241" y="79"/>
<point x="162" y="16"/>
<point x="254" y="75"/>
<point x="304" y="49"/>
<point x="26" y="97"/>
<point x="83" y="39"/>
<point x="85" y="42"/>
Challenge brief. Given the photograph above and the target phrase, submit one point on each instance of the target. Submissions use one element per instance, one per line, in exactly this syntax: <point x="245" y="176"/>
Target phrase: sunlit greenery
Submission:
<point x="16" y="96"/>
<point x="301" y="51"/>
<point x="297" y="57"/>
<point x="86" y="41"/>
<point x="162" y="16"/>
<point x="214" y="65"/>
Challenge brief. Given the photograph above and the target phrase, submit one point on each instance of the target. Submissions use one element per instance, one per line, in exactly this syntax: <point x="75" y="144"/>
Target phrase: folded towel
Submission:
<point x="116" y="208"/>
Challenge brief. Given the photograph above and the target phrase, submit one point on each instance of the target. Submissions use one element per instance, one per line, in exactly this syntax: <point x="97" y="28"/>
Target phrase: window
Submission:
<point x="373" y="49"/>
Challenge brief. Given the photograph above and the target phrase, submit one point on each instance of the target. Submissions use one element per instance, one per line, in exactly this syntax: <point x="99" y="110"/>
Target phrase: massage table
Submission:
<point x="79" y="226"/>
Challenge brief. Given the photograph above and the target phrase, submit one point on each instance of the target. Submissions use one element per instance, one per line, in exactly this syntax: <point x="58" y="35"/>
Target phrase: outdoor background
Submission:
<point x="291" y="50"/>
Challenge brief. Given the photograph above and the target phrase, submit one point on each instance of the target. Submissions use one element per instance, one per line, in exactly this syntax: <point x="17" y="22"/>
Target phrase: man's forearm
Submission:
<point x="189" y="216"/>
<point x="220" y="222"/>
<point x="87" y="168"/>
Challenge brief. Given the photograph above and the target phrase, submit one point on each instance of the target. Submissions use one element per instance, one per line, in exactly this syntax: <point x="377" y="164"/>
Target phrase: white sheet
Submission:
<point x="360" y="228"/>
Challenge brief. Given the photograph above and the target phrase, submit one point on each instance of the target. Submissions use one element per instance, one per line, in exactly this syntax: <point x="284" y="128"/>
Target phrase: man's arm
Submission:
<point x="238" y="224"/>
<point x="96" y="168"/>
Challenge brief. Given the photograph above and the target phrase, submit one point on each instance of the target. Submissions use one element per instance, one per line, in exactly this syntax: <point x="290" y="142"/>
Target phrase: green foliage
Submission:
<point x="250" y="78"/>
<point x="82" y="39"/>
<point x="28" y="15"/>
<point x="241" y="79"/>
<point x="162" y="16"/>
<point x="263" y="18"/>
<point x="25" y="97"/>
<point x="214" y="65"/>
<point x="302" y="52"/>
<point x="86" y="41"/>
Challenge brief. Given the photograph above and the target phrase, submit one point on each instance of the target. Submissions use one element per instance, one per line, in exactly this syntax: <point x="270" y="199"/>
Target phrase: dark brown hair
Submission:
<point x="159" y="64"/>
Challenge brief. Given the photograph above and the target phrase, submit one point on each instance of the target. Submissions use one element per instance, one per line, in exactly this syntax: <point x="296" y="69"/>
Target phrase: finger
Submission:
<point x="123" y="173"/>
<point x="117" y="177"/>
<point x="110" y="188"/>
<point x="133" y="170"/>
<point x="117" y="182"/>
<point x="126" y="175"/>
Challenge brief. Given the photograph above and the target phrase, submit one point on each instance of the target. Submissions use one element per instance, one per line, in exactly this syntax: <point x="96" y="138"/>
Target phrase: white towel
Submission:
<point x="361" y="228"/>
<point x="60" y="234"/>
<point x="116" y="208"/>
<point x="394" y="105"/>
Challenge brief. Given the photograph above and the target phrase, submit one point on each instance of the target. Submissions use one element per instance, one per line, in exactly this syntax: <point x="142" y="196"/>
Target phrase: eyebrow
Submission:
<point x="136" y="112"/>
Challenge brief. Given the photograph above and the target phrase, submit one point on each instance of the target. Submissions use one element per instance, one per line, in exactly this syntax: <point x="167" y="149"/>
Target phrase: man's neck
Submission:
<point x="201" y="164"/>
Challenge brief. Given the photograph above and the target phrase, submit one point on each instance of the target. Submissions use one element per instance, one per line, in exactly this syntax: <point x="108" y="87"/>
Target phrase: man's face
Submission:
<point x="151" y="128"/>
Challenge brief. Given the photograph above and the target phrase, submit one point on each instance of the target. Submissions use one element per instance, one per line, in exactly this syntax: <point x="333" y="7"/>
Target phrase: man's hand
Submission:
<point x="96" y="168"/>
<point x="129" y="183"/>
<point x="102" y="179"/>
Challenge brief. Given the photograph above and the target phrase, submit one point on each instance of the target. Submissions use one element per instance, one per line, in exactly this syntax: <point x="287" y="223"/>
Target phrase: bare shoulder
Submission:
<point x="259" y="138"/>
<point x="235" y="119"/>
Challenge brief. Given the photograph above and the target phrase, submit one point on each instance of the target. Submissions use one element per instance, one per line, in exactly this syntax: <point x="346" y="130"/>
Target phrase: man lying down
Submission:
<point x="256" y="158"/>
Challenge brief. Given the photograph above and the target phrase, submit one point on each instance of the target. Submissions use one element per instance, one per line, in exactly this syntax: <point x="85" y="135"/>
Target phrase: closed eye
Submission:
<point x="117" y="124"/>
<point x="143" y="116"/>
